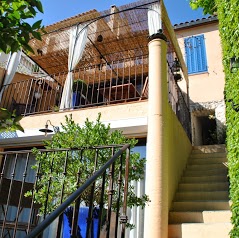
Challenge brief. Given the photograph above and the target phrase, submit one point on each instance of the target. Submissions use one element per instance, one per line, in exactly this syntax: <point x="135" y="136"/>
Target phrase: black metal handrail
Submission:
<point x="73" y="197"/>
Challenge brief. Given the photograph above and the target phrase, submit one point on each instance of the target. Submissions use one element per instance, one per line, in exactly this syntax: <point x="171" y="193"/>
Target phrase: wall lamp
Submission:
<point x="176" y="70"/>
<point x="46" y="130"/>
<point x="234" y="64"/>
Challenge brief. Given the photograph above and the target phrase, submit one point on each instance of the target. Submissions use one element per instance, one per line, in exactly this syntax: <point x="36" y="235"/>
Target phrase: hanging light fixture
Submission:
<point x="176" y="70"/>
<point x="37" y="95"/>
<point x="46" y="129"/>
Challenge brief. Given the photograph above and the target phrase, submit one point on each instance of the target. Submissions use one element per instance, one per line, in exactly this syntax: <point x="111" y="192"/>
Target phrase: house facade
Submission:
<point x="199" y="41"/>
<point x="127" y="71"/>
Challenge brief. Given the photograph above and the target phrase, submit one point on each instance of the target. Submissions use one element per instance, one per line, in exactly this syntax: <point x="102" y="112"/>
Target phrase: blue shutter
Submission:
<point x="188" y="51"/>
<point x="202" y="66"/>
<point x="195" y="54"/>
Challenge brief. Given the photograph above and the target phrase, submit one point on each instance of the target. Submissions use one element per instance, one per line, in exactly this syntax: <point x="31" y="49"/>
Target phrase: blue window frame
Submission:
<point x="195" y="54"/>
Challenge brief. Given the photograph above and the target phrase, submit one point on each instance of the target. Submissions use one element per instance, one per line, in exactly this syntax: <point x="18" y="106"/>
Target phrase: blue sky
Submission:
<point x="56" y="10"/>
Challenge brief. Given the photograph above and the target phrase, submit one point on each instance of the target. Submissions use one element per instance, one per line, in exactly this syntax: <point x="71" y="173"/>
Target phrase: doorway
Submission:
<point x="204" y="128"/>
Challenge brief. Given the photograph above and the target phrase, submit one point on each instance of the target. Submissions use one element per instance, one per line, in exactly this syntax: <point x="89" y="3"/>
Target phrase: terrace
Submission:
<point x="113" y="67"/>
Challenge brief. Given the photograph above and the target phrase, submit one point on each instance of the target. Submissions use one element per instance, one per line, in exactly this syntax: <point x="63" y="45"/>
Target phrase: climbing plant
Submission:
<point x="227" y="12"/>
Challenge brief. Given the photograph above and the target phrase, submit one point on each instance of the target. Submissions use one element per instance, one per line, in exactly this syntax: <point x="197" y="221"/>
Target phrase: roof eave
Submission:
<point x="196" y="23"/>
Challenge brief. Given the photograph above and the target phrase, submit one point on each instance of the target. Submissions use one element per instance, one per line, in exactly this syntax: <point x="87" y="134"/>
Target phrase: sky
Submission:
<point x="57" y="10"/>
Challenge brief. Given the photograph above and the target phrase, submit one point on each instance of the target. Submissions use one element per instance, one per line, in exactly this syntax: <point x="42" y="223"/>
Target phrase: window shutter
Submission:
<point x="202" y="54"/>
<point x="195" y="54"/>
<point x="188" y="51"/>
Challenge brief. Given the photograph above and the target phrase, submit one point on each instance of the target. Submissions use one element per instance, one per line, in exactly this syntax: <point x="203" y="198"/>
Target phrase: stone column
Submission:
<point x="156" y="212"/>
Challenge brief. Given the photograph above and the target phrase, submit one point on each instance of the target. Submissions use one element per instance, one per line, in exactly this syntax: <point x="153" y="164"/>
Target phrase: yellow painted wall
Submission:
<point x="207" y="86"/>
<point x="108" y="113"/>
<point x="179" y="149"/>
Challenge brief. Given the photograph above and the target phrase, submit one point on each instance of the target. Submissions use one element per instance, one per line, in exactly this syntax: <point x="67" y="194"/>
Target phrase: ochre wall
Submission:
<point x="206" y="86"/>
<point x="179" y="149"/>
<point x="108" y="113"/>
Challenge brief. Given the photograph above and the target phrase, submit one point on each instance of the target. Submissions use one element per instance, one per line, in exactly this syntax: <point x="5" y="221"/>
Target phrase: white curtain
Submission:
<point x="154" y="18"/>
<point x="77" y="43"/>
<point x="11" y="69"/>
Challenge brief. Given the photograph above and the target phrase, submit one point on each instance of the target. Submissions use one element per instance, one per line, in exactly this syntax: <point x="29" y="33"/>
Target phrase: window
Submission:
<point x="195" y="54"/>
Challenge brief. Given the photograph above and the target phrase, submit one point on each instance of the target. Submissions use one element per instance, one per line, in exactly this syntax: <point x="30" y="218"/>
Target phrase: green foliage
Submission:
<point x="15" y="32"/>
<point x="229" y="32"/>
<point x="209" y="6"/>
<point x="227" y="12"/>
<point x="81" y="162"/>
<point x="9" y="121"/>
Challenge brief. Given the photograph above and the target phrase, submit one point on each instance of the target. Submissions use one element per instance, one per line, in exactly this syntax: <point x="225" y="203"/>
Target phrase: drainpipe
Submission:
<point x="156" y="212"/>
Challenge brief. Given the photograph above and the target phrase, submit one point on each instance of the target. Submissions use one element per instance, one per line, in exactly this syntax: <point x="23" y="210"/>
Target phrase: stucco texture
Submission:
<point x="179" y="148"/>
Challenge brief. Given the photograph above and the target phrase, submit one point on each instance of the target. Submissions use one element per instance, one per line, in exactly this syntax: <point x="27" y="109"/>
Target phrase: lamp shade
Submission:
<point x="37" y="95"/>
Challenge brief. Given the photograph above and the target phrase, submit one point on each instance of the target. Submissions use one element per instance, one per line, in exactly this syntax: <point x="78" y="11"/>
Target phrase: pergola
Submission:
<point x="119" y="34"/>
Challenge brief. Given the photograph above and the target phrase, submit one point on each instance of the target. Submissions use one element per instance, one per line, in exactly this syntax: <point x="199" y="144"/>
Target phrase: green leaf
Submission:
<point x="39" y="6"/>
<point x="36" y="25"/>
<point x="15" y="46"/>
<point x="36" y="35"/>
<point x="28" y="48"/>
<point x="18" y="127"/>
<point x="18" y="118"/>
<point x="4" y="114"/>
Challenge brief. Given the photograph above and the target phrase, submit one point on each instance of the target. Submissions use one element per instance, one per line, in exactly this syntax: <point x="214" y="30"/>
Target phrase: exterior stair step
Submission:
<point x="205" y="167"/>
<point x="208" y="179"/>
<point x="222" y="171"/>
<point x="207" y="160"/>
<point x="223" y="186"/>
<point x="207" y="155"/>
<point x="208" y="149"/>
<point x="199" y="217"/>
<point x="215" y="195"/>
<point x="200" y="205"/>
<point x="200" y="230"/>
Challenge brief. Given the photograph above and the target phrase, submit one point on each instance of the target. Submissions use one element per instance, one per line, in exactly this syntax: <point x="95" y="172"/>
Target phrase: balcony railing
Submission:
<point x="101" y="84"/>
<point x="98" y="205"/>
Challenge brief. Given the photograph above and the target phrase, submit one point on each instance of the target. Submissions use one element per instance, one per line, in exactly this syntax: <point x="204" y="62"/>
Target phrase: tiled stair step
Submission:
<point x="204" y="230"/>
<point x="200" y="205"/>
<point x="209" y="149"/>
<point x="208" y="161"/>
<point x="200" y="179"/>
<point x="198" y="173"/>
<point x="204" y="167"/>
<point x="199" y="217"/>
<point x="223" y="186"/>
<point x="215" y="195"/>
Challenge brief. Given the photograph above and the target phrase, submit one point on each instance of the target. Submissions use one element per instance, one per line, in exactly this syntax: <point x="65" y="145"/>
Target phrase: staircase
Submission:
<point x="201" y="205"/>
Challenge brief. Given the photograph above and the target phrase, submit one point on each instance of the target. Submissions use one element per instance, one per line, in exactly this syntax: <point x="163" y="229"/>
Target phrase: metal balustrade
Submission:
<point x="98" y="204"/>
<point x="100" y="84"/>
<point x="179" y="102"/>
